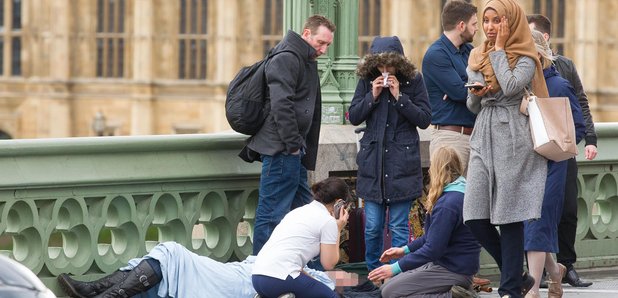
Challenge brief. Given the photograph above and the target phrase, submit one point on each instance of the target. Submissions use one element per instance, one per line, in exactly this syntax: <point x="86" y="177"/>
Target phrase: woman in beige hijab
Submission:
<point x="506" y="178"/>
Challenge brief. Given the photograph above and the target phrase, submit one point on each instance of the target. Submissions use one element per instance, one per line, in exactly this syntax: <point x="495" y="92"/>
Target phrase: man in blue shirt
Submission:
<point x="444" y="71"/>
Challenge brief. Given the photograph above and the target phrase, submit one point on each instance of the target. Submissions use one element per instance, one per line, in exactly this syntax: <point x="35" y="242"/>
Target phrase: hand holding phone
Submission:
<point x="474" y="86"/>
<point x="337" y="208"/>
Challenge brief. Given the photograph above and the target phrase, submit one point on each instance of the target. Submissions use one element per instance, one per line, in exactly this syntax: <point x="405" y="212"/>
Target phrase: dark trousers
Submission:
<point x="507" y="249"/>
<point x="568" y="222"/>
<point x="302" y="286"/>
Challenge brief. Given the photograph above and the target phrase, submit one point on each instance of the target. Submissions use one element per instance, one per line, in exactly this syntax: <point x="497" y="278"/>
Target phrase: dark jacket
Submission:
<point x="444" y="71"/>
<point x="389" y="160"/>
<point x="567" y="70"/>
<point x="447" y="241"/>
<point x="295" y="101"/>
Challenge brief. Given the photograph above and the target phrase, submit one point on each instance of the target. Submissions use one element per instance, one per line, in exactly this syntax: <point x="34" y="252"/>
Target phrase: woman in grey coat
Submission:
<point x="506" y="178"/>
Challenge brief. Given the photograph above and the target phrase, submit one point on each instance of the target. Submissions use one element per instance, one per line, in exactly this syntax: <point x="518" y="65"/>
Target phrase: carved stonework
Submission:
<point x="58" y="92"/>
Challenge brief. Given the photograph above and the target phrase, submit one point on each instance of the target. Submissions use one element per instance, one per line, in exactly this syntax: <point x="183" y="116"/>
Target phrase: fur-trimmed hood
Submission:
<point x="385" y="51"/>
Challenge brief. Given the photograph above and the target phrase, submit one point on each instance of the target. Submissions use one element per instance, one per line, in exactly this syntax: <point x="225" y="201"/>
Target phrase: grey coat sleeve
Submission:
<point x="512" y="81"/>
<point x="567" y="70"/>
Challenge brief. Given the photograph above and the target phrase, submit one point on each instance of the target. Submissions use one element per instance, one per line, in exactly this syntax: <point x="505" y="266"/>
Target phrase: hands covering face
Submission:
<point x="391" y="82"/>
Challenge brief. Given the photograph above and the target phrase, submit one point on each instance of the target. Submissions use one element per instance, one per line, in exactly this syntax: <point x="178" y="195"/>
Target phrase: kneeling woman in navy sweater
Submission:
<point x="447" y="254"/>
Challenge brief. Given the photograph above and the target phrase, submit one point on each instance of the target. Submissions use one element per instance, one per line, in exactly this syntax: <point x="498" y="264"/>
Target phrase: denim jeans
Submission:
<point x="374" y="229"/>
<point x="283" y="187"/>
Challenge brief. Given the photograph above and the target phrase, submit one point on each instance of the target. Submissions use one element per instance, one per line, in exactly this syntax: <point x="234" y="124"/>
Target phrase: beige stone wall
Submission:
<point x="601" y="49"/>
<point x="58" y="94"/>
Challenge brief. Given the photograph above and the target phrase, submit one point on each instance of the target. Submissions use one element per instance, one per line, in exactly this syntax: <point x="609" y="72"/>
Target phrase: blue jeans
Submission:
<point x="374" y="229"/>
<point x="283" y="187"/>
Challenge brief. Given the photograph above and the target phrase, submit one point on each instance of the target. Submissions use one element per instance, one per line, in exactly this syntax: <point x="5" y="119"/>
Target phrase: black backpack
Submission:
<point x="248" y="102"/>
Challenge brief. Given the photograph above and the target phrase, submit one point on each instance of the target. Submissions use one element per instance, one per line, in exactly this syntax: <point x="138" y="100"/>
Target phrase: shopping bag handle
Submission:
<point x="523" y="107"/>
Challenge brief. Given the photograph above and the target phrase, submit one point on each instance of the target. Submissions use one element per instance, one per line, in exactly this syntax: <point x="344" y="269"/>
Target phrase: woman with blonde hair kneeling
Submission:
<point x="447" y="254"/>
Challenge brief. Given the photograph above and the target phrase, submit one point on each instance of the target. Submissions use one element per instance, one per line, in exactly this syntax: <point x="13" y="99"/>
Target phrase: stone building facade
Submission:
<point x="135" y="67"/>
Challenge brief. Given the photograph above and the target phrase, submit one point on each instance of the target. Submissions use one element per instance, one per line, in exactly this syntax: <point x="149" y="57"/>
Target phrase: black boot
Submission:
<point x="138" y="280"/>
<point x="83" y="289"/>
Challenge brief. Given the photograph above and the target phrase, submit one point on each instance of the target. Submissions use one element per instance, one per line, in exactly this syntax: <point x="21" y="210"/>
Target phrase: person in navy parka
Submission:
<point x="392" y="100"/>
<point x="541" y="235"/>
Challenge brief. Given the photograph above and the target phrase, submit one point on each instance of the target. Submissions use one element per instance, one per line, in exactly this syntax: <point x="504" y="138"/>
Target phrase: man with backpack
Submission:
<point x="287" y="142"/>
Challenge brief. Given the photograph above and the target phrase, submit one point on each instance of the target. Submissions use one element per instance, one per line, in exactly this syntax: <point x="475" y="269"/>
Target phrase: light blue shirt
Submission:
<point x="186" y="274"/>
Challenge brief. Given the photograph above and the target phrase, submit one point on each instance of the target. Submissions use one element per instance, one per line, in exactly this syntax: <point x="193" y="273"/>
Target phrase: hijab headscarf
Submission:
<point x="519" y="43"/>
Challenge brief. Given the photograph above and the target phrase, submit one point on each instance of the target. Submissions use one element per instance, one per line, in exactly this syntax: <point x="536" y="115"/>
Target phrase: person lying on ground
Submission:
<point x="171" y="270"/>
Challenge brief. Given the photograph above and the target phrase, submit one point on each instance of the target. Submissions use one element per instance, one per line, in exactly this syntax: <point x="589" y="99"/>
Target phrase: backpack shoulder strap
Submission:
<point x="271" y="54"/>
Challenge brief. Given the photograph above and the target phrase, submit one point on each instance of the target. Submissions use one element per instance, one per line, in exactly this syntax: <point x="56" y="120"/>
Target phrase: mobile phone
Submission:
<point x="474" y="86"/>
<point x="337" y="208"/>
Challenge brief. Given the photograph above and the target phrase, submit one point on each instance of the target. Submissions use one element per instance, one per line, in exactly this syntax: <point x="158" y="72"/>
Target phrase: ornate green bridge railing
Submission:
<point x="87" y="205"/>
<point x="597" y="228"/>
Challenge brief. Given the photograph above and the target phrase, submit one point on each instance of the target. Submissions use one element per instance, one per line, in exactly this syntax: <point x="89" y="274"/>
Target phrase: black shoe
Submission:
<point x="139" y="279"/>
<point x="573" y="279"/>
<point x="81" y="289"/>
<point x="526" y="284"/>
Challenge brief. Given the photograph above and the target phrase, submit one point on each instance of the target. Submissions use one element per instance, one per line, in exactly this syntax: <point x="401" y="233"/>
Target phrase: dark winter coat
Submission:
<point x="389" y="160"/>
<point x="295" y="101"/>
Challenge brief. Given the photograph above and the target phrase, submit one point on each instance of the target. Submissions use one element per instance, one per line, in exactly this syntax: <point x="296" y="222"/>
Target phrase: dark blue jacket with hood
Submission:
<point x="389" y="160"/>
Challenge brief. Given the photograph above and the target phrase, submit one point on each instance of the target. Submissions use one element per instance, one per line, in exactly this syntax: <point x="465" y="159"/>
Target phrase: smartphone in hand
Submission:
<point x="338" y="205"/>
<point x="474" y="86"/>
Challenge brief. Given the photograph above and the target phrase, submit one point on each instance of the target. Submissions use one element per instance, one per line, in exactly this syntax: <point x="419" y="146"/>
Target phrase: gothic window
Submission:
<point x="193" y="39"/>
<point x="273" y="24"/>
<point x="368" y="24"/>
<point x="555" y="11"/>
<point x="10" y="37"/>
<point x="110" y="38"/>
